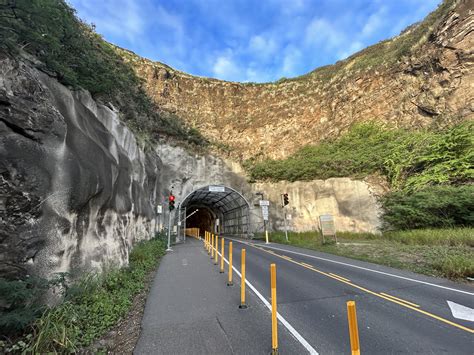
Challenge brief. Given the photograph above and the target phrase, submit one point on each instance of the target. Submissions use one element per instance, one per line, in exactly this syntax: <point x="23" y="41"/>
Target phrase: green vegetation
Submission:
<point x="433" y="206"/>
<point x="70" y="49"/>
<point x="429" y="171"/>
<point x="437" y="252"/>
<point x="409" y="159"/>
<point x="89" y="307"/>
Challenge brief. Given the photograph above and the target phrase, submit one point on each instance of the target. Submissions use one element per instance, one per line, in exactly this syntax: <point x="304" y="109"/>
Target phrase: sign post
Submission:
<point x="264" y="204"/>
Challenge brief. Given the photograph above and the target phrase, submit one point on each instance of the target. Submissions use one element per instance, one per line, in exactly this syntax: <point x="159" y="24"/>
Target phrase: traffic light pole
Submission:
<point x="284" y="215"/>
<point x="169" y="233"/>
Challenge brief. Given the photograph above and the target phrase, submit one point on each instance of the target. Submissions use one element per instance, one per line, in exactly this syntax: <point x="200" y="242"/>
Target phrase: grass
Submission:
<point x="90" y="306"/>
<point x="436" y="252"/>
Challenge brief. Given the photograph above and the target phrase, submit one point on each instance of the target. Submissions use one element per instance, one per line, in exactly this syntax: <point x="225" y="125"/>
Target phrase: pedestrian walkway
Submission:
<point x="190" y="310"/>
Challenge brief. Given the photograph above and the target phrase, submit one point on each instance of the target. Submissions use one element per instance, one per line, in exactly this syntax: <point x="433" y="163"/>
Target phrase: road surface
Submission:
<point x="398" y="311"/>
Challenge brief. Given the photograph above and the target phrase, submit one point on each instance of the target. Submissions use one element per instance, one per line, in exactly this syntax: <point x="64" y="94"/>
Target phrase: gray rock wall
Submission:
<point x="353" y="203"/>
<point x="76" y="191"/>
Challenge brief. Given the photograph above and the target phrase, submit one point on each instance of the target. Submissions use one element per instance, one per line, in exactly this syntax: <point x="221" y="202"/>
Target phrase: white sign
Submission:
<point x="216" y="188"/>
<point x="288" y="217"/>
<point x="265" y="213"/>
<point x="159" y="209"/>
<point x="217" y="221"/>
<point x="179" y="223"/>
<point x="264" y="203"/>
<point x="327" y="225"/>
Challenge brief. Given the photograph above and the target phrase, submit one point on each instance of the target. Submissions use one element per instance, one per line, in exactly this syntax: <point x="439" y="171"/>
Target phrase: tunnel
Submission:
<point x="218" y="209"/>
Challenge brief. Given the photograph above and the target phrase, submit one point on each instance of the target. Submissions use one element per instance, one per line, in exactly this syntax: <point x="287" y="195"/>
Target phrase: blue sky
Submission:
<point x="249" y="40"/>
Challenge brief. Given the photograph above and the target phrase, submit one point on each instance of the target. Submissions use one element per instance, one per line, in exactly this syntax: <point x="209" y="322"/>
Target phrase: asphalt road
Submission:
<point x="397" y="311"/>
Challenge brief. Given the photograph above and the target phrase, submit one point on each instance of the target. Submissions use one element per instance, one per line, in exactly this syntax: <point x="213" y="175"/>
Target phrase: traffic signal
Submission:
<point x="285" y="199"/>
<point x="171" y="201"/>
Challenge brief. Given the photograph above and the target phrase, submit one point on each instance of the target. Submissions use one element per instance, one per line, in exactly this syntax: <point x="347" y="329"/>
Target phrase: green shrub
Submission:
<point x="90" y="306"/>
<point x="435" y="207"/>
<point x="21" y="303"/>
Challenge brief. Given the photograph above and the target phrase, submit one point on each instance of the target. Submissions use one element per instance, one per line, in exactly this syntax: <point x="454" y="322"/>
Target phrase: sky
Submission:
<point x="249" y="40"/>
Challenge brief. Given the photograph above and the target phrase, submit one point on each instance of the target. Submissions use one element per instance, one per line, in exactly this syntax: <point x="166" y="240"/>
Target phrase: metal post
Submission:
<point x="286" y="226"/>
<point x="184" y="221"/>
<point x="169" y="233"/>
<point x="274" y="309"/>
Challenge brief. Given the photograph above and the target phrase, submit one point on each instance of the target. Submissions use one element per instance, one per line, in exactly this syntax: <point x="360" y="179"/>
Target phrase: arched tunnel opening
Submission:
<point x="218" y="209"/>
<point x="202" y="219"/>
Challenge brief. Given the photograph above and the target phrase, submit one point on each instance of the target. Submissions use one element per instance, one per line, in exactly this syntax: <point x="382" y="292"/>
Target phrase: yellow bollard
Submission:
<point x="353" y="329"/>
<point x="273" y="282"/>
<point x="229" y="282"/>
<point x="242" y="282"/>
<point x="222" y="256"/>
<point x="212" y="246"/>
<point x="216" y="261"/>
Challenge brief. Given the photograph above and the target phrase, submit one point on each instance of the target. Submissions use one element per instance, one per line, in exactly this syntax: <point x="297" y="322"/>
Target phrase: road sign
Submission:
<point x="179" y="223"/>
<point x="217" y="221"/>
<point x="159" y="209"/>
<point x="265" y="212"/>
<point x="216" y="188"/>
<point x="264" y="203"/>
<point x="327" y="225"/>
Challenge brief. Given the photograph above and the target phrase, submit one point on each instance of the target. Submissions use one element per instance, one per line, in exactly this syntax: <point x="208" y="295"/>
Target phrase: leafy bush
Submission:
<point x="410" y="160"/>
<point x="79" y="57"/>
<point x="21" y="303"/>
<point x="89" y="308"/>
<point x="435" y="206"/>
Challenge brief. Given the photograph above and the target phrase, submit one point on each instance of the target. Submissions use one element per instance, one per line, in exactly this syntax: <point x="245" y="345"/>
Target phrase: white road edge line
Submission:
<point x="362" y="268"/>
<point x="283" y="321"/>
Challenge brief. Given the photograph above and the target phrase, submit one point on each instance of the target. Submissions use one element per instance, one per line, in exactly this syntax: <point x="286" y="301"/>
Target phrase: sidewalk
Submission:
<point x="190" y="310"/>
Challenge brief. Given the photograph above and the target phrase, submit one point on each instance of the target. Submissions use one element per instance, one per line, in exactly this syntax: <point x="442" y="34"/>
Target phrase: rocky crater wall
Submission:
<point x="76" y="190"/>
<point x="433" y="86"/>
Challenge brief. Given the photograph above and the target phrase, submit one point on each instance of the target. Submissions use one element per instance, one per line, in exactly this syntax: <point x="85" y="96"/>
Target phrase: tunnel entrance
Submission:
<point x="219" y="209"/>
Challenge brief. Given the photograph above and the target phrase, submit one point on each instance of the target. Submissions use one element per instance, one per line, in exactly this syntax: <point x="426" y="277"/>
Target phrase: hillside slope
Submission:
<point x="422" y="78"/>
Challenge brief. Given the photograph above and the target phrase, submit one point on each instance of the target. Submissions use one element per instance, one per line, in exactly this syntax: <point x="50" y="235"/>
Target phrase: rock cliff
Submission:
<point x="422" y="78"/>
<point x="76" y="191"/>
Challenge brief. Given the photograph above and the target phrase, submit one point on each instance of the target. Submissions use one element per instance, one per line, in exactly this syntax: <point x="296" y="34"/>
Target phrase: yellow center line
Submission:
<point x="401" y="300"/>
<point x="339" y="276"/>
<point x="390" y="298"/>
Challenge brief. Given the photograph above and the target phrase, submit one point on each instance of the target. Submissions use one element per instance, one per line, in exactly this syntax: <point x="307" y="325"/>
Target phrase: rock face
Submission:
<point x="431" y="86"/>
<point x="352" y="203"/>
<point x="76" y="191"/>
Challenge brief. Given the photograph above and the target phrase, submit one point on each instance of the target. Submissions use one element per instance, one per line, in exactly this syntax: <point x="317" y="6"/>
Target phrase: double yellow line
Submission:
<point x="382" y="295"/>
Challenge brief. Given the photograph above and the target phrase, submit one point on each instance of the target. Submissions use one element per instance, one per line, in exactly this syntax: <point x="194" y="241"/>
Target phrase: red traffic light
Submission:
<point x="171" y="198"/>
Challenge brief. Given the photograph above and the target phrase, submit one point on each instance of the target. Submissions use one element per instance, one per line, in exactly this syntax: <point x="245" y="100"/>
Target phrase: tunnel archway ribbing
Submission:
<point x="228" y="205"/>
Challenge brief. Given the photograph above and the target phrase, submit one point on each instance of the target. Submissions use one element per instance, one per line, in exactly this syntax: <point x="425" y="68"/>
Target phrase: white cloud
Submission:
<point x="321" y="32"/>
<point x="128" y="21"/>
<point x="374" y="22"/>
<point x="291" y="61"/>
<point x="224" y="67"/>
<point x="262" y="46"/>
